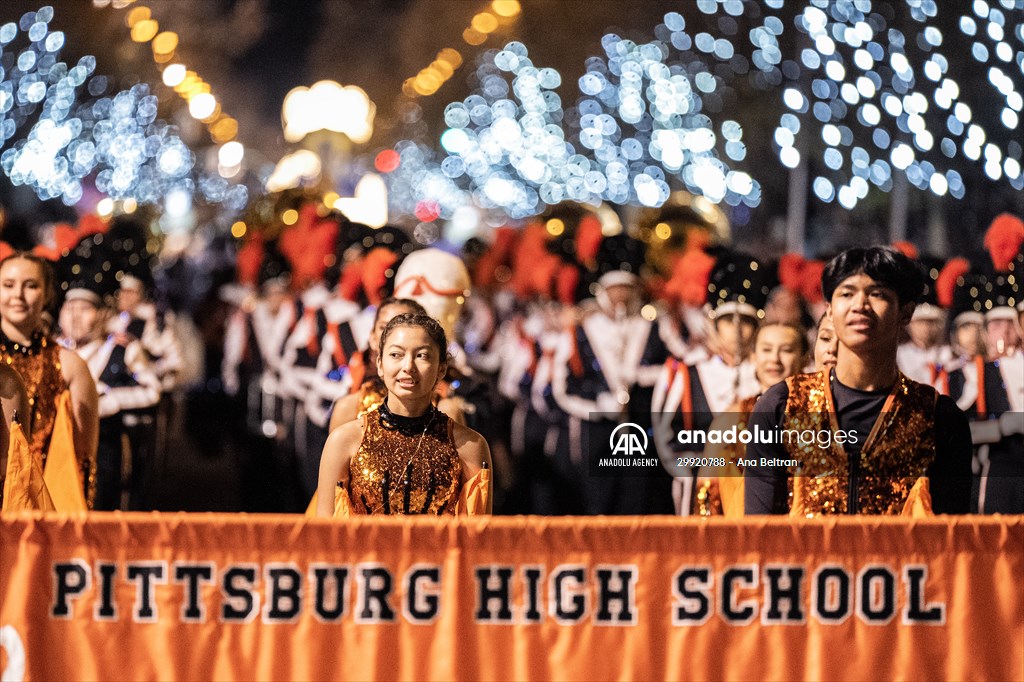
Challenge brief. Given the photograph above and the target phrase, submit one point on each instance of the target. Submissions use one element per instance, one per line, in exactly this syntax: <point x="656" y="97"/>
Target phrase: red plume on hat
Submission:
<point x="567" y="279"/>
<point x="945" y="285"/>
<point x="1003" y="240"/>
<point x="542" y="276"/>
<point x="309" y="244"/>
<point x="249" y="259"/>
<point x="485" y="274"/>
<point x="65" y="238"/>
<point x="810" y="287"/>
<point x="690" y="277"/>
<point x="374" y="276"/>
<point x="588" y="241"/>
<point x="790" y="271"/>
<point x="351" y="280"/>
<point x="91" y="224"/>
<point x="530" y="253"/>
<point x="907" y="249"/>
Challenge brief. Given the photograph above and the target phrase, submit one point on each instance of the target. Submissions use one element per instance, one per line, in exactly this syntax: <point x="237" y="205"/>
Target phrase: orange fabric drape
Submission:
<point x="62" y="473"/>
<point x="24" y="487"/>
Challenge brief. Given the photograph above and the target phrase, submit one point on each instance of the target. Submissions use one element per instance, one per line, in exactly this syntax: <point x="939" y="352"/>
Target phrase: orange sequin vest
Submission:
<point x="44" y="382"/>
<point x="896" y="453"/>
<point x="392" y="473"/>
<point x="41" y="373"/>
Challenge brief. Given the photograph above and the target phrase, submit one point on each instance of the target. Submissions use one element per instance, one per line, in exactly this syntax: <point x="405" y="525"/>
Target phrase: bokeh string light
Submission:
<point x="857" y="99"/>
<point x="417" y="185"/>
<point x="83" y="134"/>
<point x="884" y="101"/>
<point x="638" y="122"/>
<point x="189" y="85"/>
<point x="431" y="77"/>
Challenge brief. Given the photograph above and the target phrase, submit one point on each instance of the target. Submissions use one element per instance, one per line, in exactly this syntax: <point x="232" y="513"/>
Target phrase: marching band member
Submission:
<point x="905" y="437"/>
<point x="256" y="332"/>
<point x="125" y="381"/>
<point x="299" y="371"/>
<point x="602" y="362"/>
<point x="687" y="395"/>
<point x="992" y="392"/>
<point x="924" y="357"/>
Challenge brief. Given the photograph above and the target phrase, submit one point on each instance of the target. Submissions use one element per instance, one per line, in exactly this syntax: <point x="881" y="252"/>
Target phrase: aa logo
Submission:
<point x="628" y="440"/>
<point x="12" y="655"/>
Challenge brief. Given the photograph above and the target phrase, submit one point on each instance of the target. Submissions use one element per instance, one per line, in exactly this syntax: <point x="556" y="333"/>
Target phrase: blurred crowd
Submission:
<point x="564" y="328"/>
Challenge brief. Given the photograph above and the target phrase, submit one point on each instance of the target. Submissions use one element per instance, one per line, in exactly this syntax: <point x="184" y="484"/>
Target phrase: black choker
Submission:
<point x="37" y="344"/>
<point x="407" y="426"/>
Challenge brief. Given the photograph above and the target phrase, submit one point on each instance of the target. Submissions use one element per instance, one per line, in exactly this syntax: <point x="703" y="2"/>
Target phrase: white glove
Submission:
<point x="1011" y="423"/>
<point x="108" y="405"/>
<point x="985" y="432"/>
<point x="607" y="404"/>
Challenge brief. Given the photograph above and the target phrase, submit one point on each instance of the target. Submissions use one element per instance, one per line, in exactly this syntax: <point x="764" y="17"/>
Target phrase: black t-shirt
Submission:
<point x="949" y="473"/>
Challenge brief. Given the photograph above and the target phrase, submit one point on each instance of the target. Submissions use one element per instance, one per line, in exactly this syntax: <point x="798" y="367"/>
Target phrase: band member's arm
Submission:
<point x="143" y="392"/>
<point x="85" y="415"/>
<point x="949" y="476"/>
<point x="765" y="487"/>
<point x="338" y="451"/>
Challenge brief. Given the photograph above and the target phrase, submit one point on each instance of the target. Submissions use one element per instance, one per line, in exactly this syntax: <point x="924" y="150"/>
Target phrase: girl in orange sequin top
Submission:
<point x="406" y="457"/>
<point x="47" y="370"/>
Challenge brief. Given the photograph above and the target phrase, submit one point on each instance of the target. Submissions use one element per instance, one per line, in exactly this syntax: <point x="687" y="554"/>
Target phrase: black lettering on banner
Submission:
<point x="374" y="583"/>
<point x="532" y="577"/>
<point x="622" y="597"/>
<point x="106" y="605"/>
<point x="916" y="611"/>
<point x="775" y="594"/>
<point x="192" y="576"/>
<point x="422" y="602"/>
<point x="330" y="591"/>
<point x="876" y="595"/>
<point x="146" y="575"/>
<point x="830" y="594"/>
<point x="733" y="612"/>
<point x="568" y="603"/>
<point x="691" y="587"/>
<point x="283" y="584"/>
<point x="241" y="601"/>
<point x="70" y="580"/>
<point x="488" y="593"/>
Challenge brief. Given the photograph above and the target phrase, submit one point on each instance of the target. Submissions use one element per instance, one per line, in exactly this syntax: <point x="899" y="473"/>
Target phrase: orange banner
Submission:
<point x="150" y="596"/>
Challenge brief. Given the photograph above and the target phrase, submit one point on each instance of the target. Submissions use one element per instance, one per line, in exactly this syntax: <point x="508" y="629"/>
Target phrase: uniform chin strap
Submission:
<point x="422" y="285"/>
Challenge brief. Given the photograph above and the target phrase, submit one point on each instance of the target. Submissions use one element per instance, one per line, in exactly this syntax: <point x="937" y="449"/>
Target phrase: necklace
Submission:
<point x="35" y="346"/>
<point x="407" y="426"/>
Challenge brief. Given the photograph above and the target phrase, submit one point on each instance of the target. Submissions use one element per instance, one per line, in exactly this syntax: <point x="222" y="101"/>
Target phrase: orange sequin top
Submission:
<point x="401" y="473"/>
<point x="897" y="452"/>
<point x="40" y="369"/>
